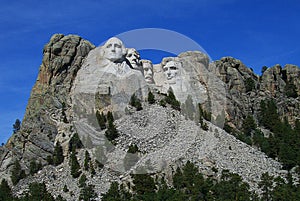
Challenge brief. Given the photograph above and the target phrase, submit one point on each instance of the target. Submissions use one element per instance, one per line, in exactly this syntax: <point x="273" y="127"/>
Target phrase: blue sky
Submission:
<point x="256" y="32"/>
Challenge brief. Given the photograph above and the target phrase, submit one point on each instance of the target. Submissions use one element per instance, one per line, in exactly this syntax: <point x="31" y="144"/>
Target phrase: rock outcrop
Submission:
<point x="245" y="90"/>
<point x="48" y="103"/>
<point x="77" y="80"/>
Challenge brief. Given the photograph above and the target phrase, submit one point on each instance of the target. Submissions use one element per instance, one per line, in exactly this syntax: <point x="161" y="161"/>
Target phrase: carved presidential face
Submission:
<point x="114" y="49"/>
<point x="148" y="72"/>
<point x="133" y="57"/>
<point x="170" y="70"/>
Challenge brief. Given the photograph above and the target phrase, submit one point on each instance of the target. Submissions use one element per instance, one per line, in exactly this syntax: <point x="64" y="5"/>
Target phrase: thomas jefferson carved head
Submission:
<point x="114" y="49"/>
<point x="148" y="71"/>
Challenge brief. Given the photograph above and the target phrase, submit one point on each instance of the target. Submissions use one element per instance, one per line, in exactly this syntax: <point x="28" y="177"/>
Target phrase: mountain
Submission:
<point x="106" y="110"/>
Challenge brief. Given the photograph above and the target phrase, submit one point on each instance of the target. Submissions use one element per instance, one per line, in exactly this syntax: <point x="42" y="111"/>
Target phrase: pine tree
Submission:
<point x="290" y="89"/>
<point x="87" y="160"/>
<point x="109" y="117"/>
<point x="17" y="173"/>
<point x="266" y="185"/>
<point x="111" y="133"/>
<point x="248" y="125"/>
<point x="135" y="102"/>
<point x="171" y="99"/>
<point x="74" y="165"/>
<point x="82" y="181"/>
<point x="101" y="120"/>
<point x="38" y="191"/>
<point x="34" y="167"/>
<point x="263" y="69"/>
<point x="143" y="184"/>
<point x="58" y="156"/>
<point x="151" y="98"/>
<point x="65" y="189"/>
<point x="75" y="143"/>
<point x="5" y="191"/>
<point x="17" y="126"/>
<point x="133" y="148"/>
<point x="87" y="193"/>
<point x="249" y="84"/>
<point x="113" y="193"/>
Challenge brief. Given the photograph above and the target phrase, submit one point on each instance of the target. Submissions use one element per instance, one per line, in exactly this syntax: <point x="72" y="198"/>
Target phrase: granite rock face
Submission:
<point x="48" y="103"/>
<point x="245" y="90"/>
<point x="76" y="80"/>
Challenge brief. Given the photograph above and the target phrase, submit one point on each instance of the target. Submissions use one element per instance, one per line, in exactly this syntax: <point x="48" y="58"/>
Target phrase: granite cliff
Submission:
<point x="77" y="81"/>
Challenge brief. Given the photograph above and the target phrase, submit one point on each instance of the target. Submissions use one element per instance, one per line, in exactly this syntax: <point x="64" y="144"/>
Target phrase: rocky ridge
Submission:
<point x="165" y="138"/>
<point x="245" y="89"/>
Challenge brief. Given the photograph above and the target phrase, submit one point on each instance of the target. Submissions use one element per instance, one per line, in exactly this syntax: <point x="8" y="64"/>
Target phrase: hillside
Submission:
<point x="218" y="116"/>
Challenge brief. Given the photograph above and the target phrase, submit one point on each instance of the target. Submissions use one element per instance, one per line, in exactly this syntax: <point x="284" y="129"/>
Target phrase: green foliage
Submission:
<point x="82" y="181"/>
<point x="116" y="193"/>
<point x="59" y="198"/>
<point x="151" y="98"/>
<point x="227" y="127"/>
<point x="143" y="184"/>
<point x="49" y="160"/>
<point x="58" y="155"/>
<point x="248" y="125"/>
<point x="249" y="84"/>
<point x="204" y="126"/>
<point x="111" y="133"/>
<point x="231" y="187"/>
<point x="284" y="142"/>
<point x="34" y="167"/>
<point x="87" y="160"/>
<point x="17" y="173"/>
<point x="101" y="120"/>
<point x="74" y="165"/>
<point x="290" y="89"/>
<point x="268" y="114"/>
<point x="189" y="184"/>
<point x="203" y="113"/>
<point x="38" y="191"/>
<point x="92" y="169"/>
<point x="133" y="148"/>
<point x="75" y="143"/>
<point x="162" y="103"/>
<point x="135" y="102"/>
<point x="87" y="193"/>
<point x="263" y="69"/>
<point x="285" y="190"/>
<point x="171" y="99"/>
<point x="16" y="126"/>
<point x="5" y="191"/>
<point x="109" y="117"/>
<point x="65" y="189"/>
<point x="244" y="138"/>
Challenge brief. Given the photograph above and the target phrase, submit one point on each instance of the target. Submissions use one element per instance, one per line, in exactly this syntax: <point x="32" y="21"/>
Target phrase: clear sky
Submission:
<point x="258" y="32"/>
